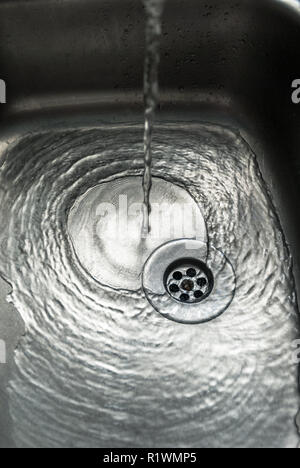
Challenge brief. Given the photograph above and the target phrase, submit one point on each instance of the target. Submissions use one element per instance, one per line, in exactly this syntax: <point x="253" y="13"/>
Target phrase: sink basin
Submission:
<point x="73" y="72"/>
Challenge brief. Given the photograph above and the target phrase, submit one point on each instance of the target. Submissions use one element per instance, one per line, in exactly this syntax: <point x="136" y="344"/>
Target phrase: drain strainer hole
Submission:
<point x="188" y="280"/>
<point x="198" y="294"/>
<point x="177" y="276"/>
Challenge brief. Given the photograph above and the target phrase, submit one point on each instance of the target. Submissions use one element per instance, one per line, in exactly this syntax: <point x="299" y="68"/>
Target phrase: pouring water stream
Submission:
<point x="154" y="10"/>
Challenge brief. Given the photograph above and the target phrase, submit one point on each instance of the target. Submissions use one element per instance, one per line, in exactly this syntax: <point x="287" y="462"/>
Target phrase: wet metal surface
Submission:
<point x="121" y="374"/>
<point x="112" y="247"/>
<point x="65" y="130"/>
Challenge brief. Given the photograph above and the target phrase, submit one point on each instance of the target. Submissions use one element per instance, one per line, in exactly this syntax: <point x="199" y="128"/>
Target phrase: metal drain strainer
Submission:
<point x="188" y="280"/>
<point x="188" y="283"/>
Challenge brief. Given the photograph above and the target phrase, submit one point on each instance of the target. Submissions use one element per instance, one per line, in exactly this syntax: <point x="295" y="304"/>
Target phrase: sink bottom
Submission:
<point x="106" y="227"/>
<point x="99" y="367"/>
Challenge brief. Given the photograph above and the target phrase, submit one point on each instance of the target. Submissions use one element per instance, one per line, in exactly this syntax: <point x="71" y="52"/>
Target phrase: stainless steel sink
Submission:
<point x="78" y="64"/>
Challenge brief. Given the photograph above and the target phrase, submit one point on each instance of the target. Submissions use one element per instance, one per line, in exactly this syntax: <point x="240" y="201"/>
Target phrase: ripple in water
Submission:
<point x="101" y="368"/>
<point x="105" y="226"/>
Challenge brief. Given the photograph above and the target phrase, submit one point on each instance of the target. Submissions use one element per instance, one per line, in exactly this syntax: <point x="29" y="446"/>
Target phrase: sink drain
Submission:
<point x="188" y="283"/>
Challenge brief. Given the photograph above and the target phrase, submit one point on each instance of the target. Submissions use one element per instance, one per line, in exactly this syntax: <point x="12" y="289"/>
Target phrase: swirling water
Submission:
<point x="99" y="367"/>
